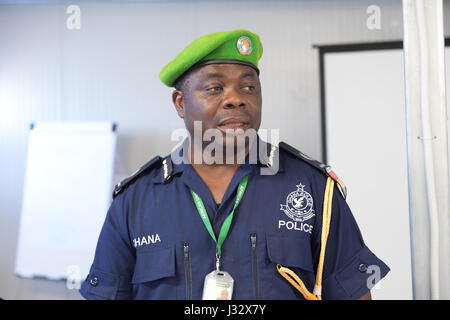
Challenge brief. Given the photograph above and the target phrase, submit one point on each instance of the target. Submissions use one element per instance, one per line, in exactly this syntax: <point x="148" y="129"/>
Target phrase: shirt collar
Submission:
<point x="267" y="160"/>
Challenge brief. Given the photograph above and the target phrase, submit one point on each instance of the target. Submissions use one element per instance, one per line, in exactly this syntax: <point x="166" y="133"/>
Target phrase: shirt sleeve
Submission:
<point x="350" y="268"/>
<point x="111" y="271"/>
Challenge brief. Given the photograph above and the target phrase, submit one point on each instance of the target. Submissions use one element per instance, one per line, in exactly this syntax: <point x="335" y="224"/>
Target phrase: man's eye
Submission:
<point x="248" y="88"/>
<point x="214" y="89"/>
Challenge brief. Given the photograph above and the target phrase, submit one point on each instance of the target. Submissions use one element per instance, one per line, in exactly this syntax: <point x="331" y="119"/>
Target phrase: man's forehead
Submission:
<point x="224" y="71"/>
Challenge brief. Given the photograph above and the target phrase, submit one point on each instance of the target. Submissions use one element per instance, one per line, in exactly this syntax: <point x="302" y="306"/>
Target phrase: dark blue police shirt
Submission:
<point x="154" y="245"/>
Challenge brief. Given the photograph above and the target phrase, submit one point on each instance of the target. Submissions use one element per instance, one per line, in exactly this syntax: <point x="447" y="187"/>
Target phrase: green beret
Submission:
<point x="237" y="46"/>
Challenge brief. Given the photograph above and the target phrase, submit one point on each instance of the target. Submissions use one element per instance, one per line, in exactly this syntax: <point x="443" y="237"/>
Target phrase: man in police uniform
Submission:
<point x="173" y="223"/>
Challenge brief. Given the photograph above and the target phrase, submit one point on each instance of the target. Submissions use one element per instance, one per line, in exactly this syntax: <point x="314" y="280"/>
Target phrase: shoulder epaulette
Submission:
<point x="326" y="169"/>
<point x="142" y="170"/>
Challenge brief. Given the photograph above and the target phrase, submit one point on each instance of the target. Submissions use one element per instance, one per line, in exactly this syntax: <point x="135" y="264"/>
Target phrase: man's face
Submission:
<point x="221" y="96"/>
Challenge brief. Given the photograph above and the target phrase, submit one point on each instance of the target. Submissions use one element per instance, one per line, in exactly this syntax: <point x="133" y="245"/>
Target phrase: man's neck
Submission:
<point x="219" y="164"/>
<point x="217" y="176"/>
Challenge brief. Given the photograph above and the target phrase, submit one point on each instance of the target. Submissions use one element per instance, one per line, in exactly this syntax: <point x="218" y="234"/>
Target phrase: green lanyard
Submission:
<point x="227" y="223"/>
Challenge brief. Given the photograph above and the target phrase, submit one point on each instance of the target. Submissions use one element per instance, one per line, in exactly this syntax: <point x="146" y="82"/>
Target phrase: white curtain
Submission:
<point x="427" y="147"/>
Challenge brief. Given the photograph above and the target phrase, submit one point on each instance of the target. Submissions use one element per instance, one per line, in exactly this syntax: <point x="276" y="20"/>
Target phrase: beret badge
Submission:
<point x="244" y="45"/>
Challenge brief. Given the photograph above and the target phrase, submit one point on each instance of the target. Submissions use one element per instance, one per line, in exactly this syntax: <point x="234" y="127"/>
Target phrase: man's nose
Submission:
<point x="233" y="98"/>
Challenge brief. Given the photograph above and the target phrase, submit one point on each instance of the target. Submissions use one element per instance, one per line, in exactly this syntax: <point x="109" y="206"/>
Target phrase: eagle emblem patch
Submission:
<point x="299" y="205"/>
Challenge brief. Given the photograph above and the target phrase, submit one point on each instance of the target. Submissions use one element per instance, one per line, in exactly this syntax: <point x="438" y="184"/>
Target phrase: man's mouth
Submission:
<point x="234" y="123"/>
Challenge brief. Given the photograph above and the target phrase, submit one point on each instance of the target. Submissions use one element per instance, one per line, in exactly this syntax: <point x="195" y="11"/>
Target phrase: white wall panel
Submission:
<point x="366" y="143"/>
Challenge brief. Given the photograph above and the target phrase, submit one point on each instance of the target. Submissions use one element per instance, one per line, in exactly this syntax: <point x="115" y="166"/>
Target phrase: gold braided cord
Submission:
<point x="325" y="229"/>
<point x="295" y="280"/>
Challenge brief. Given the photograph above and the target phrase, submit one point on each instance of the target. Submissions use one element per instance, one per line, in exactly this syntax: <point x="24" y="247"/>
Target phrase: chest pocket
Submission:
<point x="292" y="252"/>
<point x="154" y="274"/>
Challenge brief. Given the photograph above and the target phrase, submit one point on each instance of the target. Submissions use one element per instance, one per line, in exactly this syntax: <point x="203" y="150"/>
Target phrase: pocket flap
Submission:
<point x="153" y="265"/>
<point x="290" y="252"/>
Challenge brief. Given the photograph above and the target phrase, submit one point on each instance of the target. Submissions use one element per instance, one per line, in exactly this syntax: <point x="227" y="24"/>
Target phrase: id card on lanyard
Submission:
<point x="219" y="284"/>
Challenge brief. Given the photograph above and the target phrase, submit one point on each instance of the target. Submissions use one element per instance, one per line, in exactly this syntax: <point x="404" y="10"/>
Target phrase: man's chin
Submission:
<point x="238" y="138"/>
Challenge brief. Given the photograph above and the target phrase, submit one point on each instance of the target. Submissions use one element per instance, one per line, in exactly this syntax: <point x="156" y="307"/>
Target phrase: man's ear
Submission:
<point x="178" y="102"/>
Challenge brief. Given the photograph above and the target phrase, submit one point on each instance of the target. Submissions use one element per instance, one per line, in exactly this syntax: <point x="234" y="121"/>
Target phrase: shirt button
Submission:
<point x="362" y="267"/>
<point x="94" y="281"/>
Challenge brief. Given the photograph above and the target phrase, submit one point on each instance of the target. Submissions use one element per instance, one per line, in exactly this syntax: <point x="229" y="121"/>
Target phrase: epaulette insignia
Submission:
<point x="271" y="154"/>
<point x="142" y="170"/>
<point x="166" y="170"/>
<point x="326" y="169"/>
